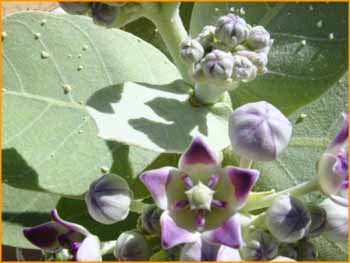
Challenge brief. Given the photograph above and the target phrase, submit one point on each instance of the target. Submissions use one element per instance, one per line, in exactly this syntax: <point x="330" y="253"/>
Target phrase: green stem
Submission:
<point x="296" y="191"/>
<point x="137" y="206"/>
<point x="208" y="94"/>
<point x="245" y="163"/>
<point x="108" y="247"/>
<point x="173" y="33"/>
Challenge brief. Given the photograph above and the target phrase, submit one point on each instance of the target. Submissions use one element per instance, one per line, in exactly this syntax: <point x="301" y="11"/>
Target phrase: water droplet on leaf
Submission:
<point x="44" y="54"/>
<point x="66" y="88"/>
<point x="331" y="36"/>
<point x="319" y="24"/>
<point x="85" y="47"/>
<point x="3" y="35"/>
<point x="43" y="22"/>
<point x="37" y="35"/>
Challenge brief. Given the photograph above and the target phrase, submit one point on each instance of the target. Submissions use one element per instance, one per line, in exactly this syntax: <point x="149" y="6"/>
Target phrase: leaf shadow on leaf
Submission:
<point x="182" y="122"/>
<point x="26" y="219"/>
<point x="13" y="167"/>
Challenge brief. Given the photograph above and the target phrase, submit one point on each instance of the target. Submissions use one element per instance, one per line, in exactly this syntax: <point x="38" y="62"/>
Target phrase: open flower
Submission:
<point x="200" y="197"/>
<point x="333" y="167"/>
<point x="58" y="234"/>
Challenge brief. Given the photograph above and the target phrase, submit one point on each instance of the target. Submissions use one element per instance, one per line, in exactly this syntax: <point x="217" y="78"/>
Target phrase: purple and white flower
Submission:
<point x="59" y="234"/>
<point x="333" y="167"/>
<point x="200" y="198"/>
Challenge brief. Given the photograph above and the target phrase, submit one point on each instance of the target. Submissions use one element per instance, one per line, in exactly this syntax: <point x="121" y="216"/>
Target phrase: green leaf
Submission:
<point x="76" y="211"/>
<point x="50" y="142"/>
<point x="23" y="208"/>
<point x="161" y="118"/>
<point x="309" y="140"/>
<point x="297" y="74"/>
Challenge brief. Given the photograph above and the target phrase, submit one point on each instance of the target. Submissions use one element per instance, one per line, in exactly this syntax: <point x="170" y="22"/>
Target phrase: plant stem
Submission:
<point x="298" y="190"/>
<point x="173" y="33"/>
<point x="245" y="163"/>
<point x="137" y="206"/>
<point x="208" y="94"/>
<point x="108" y="247"/>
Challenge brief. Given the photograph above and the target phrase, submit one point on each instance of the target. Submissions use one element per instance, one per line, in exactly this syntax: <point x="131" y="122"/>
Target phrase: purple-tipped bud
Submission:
<point x="243" y="69"/>
<point x="150" y="219"/>
<point x="259" y="60"/>
<point x="76" y="8"/>
<point x="206" y="36"/>
<point x="108" y="199"/>
<point x="288" y="219"/>
<point x="259" y="38"/>
<point x="231" y="30"/>
<point x="260" y="246"/>
<point x="217" y="65"/>
<point x="132" y="246"/>
<point x="191" y="51"/>
<point x="104" y="15"/>
<point x="259" y="131"/>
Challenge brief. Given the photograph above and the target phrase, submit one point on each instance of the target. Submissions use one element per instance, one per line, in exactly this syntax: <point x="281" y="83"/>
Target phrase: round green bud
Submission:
<point x="260" y="246"/>
<point x="75" y="8"/>
<point x="288" y="219"/>
<point x="132" y="246"/>
<point x="306" y="251"/>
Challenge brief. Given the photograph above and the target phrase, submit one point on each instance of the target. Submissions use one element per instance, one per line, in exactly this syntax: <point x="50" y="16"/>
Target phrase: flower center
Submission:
<point x="200" y="196"/>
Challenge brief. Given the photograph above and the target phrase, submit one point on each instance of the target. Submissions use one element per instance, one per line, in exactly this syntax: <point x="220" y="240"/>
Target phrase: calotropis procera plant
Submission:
<point x="200" y="155"/>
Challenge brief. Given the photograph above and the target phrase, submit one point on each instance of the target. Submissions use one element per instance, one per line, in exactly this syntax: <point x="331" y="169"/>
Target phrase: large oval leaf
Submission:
<point x="51" y="65"/>
<point x="298" y="73"/>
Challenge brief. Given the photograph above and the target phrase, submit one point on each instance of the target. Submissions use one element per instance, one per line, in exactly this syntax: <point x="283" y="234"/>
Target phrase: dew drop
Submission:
<point x="37" y="35"/>
<point x="331" y="36"/>
<point x="104" y="169"/>
<point x="301" y="118"/>
<point x="232" y="9"/>
<point x="216" y="9"/>
<point x="311" y="8"/>
<point x="43" y="22"/>
<point x="3" y="35"/>
<point x="80" y="131"/>
<point x="70" y="56"/>
<point x="85" y="47"/>
<point x="66" y="88"/>
<point x="44" y="54"/>
<point x="80" y="67"/>
<point x="319" y="24"/>
<point x="79" y="55"/>
<point x="303" y="42"/>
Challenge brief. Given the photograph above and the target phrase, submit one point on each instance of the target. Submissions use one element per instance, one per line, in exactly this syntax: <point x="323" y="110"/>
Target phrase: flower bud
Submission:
<point x="103" y="14"/>
<point x="258" y="38"/>
<point x="75" y="8"/>
<point x="260" y="246"/>
<point x="306" y="251"/>
<point x="288" y="219"/>
<point x="150" y="219"/>
<point x="337" y="221"/>
<point x="259" y="131"/>
<point x="243" y="69"/>
<point x="131" y="246"/>
<point x="259" y="60"/>
<point x="318" y="220"/>
<point x="231" y="30"/>
<point x="108" y="199"/>
<point x="206" y="36"/>
<point x="288" y="250"/>
<point x="217" y="65"/>
<point x="191" y="51"/>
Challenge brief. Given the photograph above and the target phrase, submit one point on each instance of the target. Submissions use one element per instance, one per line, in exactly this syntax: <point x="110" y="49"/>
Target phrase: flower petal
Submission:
<point x="329" y="181"/>
<point x="173" y="235"/>
<point x="192" y="251"/>
<point x="228" y="254"/>
<point x="228" y="234"/>
<point x="340" y="138"/>
<point x="198" y="153"/>
<point x="156" y="181"/>
<point x="89" y="250"/>
<point x="68" y="225"/>
<point x="45" y="235"/>
<point x="243" y="181"/>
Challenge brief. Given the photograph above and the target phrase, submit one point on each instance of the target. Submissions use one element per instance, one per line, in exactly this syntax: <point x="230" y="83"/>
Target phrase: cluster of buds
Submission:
<point x="230" y="52"/>
<point x="108" y="14"/>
